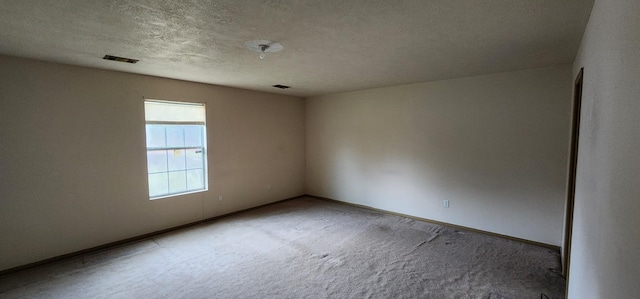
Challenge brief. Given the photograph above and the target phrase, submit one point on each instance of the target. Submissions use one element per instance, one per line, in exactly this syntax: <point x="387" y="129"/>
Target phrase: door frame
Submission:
<point x="573" y="163"/>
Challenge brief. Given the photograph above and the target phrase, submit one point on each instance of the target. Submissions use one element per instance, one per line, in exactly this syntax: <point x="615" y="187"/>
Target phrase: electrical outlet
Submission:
<point x="220" y="197"/>
<point x="445" y="203"/>
<point x="268" y="188"/>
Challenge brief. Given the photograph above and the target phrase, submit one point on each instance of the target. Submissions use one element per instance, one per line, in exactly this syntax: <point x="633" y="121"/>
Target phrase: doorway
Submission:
<point x="573" y="163"/>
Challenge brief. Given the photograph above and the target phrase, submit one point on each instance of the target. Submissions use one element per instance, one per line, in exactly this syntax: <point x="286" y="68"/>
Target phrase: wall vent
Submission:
<point x="120" y="59"/>
<point x="281" y="86"/>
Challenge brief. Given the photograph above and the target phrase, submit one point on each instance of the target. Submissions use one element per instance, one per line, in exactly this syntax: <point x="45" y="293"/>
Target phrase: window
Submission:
<point x="176" y="148"/>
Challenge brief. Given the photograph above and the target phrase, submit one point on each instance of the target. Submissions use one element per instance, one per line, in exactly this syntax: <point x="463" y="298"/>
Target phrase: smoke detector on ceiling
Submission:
<point x="263" y="47"/>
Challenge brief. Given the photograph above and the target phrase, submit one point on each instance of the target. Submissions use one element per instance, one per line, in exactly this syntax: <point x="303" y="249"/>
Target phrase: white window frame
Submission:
<point x="181" y="121"/>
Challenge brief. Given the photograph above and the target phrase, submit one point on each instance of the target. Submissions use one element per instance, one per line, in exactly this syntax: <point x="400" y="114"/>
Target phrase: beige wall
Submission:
<point x="495" y="146"/>
<point x="605" y="260"/>
<point x="73" y="159"/>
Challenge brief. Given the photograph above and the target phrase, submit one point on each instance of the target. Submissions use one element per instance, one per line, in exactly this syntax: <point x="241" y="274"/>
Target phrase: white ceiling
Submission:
<point x="329" y="45"/>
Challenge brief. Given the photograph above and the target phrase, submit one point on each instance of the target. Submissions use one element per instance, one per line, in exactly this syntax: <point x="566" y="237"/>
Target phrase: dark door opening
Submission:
<point x="573" y="163"/>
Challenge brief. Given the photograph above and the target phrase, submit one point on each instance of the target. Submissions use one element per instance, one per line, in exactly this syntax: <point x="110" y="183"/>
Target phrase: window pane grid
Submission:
<point x="181" y="146"/>
<point x="176" y="170"/>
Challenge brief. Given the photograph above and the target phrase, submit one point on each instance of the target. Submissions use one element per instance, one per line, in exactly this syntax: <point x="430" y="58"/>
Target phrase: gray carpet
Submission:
<point x="303" y="248"/>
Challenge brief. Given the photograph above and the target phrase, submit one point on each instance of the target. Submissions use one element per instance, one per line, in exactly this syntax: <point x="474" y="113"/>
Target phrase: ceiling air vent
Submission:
<point x="281" y="86"/>
<point x="121" y="59"/>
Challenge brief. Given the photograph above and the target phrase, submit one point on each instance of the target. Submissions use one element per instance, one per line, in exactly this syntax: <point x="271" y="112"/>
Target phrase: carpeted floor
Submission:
<point x="303" y="248"/>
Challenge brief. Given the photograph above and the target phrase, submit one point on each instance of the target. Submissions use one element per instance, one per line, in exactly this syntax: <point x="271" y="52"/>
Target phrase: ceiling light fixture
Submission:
<point x="263" y="47"/>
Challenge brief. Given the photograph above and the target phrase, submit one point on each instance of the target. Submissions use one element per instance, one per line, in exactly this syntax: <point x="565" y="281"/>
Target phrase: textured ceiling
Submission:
<point x="329" y="46"/>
